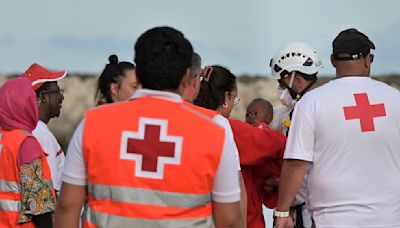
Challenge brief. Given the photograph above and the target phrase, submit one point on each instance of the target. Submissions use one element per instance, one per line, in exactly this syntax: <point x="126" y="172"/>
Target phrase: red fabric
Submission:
<point x="38" y="75"/>
<point x="30" y="150"/>
<point x="100" y="103"/>
<point x="261" y="155"/>
<point x="19" y="110"/>
<point x="18" y="105"/>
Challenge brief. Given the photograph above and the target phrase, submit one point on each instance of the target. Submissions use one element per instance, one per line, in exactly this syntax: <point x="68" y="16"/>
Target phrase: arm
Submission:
<point x="37" y="200"/>
<point x="73" y="189"/>
<point x="60" y="159"/>
<point x="227" y="215"/>
<point x="293" y="172"/>
<point x="256" y="145"/>
<point x="243" y="199"/>
<point x="299" y="154"/>
<point x="69" y="205"/>
<point x="226" y="190"/>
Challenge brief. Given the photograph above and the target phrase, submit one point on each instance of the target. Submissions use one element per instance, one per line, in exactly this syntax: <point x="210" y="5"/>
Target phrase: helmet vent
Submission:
<point x="277" y="68"/>
<point x="308" y="62"/>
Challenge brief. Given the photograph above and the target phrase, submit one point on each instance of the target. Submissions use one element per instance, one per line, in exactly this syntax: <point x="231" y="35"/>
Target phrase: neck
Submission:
<point x="222" y="111"/>
<point x="43" y="116"/>
<point x="313" y="87"/>
<point x="351" y="71"/>
<point x="350" y="75"/>
<point x="186" y="96"/>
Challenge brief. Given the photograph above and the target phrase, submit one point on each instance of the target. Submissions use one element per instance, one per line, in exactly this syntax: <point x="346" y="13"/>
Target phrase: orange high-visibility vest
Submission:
<point x="10" y="197"/>
<point x="204" y="111"/>
<point x="150" y="163"/>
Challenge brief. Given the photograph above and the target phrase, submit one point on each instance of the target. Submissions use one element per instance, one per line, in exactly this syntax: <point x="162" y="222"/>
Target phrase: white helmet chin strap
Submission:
<point x="292" y="79"/>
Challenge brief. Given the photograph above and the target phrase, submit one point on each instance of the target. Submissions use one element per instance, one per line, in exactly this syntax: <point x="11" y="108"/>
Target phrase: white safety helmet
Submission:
<point x="296" y="56"/>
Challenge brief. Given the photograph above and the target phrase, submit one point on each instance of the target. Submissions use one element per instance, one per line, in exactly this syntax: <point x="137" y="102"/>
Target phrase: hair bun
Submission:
<point x="113" y="59"/>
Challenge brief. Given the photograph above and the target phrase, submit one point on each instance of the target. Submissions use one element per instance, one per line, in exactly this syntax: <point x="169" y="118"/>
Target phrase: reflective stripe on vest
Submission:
<point x="50" y="184"/>
<point x="9" y="205"/>
<point x="9" y="186"/>
<point x="146" y="196"/>
<point x="106" y="220"/>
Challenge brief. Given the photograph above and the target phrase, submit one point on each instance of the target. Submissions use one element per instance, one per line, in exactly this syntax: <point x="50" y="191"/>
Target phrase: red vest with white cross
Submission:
<point x="150" y="162"/>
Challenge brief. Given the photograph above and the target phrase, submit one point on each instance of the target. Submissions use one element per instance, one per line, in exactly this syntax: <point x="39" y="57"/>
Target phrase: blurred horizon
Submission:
<point x="80" y="35"/>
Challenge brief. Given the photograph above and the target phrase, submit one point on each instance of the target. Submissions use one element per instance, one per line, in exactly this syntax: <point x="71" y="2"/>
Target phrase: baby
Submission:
<point x="259" y="111"/>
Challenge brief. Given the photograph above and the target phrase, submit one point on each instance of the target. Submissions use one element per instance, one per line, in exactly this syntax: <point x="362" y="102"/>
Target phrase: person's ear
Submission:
<point x="186" y="79"/>
<point x="367" y="62"/>
<point x="42" y="98"/>
<point x="333" y="61"/>
<point x="196" y="82"/>
<point x="114" y="89"/>
<point x="228" y="98"/>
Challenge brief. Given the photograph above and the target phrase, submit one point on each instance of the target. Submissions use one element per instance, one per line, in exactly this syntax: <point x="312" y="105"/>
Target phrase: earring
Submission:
<point x="225" y="105"/>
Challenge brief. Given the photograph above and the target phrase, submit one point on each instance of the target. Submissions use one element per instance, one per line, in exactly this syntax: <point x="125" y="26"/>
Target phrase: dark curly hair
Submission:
<point x="212" y="90"/>
<point x="162" y="56"/>
<point x="112" y="73"/>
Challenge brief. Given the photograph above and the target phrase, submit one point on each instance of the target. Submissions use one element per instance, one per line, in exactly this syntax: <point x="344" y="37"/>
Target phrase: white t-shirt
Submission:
<point x="224" y="123"/>
<point x="354" y="179"/>
<point x="226" y="185"/>
<point x="54" y="154"/>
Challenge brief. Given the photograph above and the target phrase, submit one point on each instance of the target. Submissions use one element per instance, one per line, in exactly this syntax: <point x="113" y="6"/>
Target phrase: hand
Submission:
<point x="284" y="222"/>
<point x="270" y="183"/>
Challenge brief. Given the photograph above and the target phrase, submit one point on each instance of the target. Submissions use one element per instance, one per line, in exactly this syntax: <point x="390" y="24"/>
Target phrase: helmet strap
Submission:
<point x="295" y="95"/>
<point x="292" y="93"/>
<point x="312" y="82"/>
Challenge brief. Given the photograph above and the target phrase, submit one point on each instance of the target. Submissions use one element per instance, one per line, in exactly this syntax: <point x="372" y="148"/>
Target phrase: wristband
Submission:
<point x="281" y="214"/>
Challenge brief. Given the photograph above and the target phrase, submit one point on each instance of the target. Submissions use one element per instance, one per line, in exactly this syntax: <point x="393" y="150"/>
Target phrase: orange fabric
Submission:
<point x="8" y="219"/>
<point x="88" y="225"/>
<point x="102" y="142"/>
<point x="207" y="112"/>
<point x="11" y="142"/>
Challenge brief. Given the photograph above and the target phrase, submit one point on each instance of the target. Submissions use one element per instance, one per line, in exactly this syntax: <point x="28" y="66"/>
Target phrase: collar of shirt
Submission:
<point x="170" y="96"/>
<point x="347" y="79"/>
<point x="41" y="124"/>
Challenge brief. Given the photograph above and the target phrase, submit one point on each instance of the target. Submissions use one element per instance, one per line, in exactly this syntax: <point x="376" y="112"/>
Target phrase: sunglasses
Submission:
<point x="59" y="91"/>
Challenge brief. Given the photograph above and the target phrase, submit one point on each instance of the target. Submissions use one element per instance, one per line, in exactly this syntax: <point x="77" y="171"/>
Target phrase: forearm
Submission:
<point x="292" y="176"/>
<point x="227" y="215"/>
<point x="66" y="218"/>
<point x="69" y="206"/>
<point x="243" y="199"/>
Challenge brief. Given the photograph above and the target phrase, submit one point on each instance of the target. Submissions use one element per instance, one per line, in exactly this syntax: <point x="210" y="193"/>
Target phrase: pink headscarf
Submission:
<point x="18" y="105"/>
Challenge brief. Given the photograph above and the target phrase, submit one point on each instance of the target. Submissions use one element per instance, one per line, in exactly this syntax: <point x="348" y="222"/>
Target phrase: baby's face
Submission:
<point x="255" y="114"/>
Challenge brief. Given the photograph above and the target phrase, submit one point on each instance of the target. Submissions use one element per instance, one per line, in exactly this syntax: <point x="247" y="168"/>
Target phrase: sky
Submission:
<point x="242" y="35"/>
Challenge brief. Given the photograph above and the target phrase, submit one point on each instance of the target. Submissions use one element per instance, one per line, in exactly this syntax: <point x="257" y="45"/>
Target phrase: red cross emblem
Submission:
<point x="364" y="111"/>
<point x="151" y="148"/>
